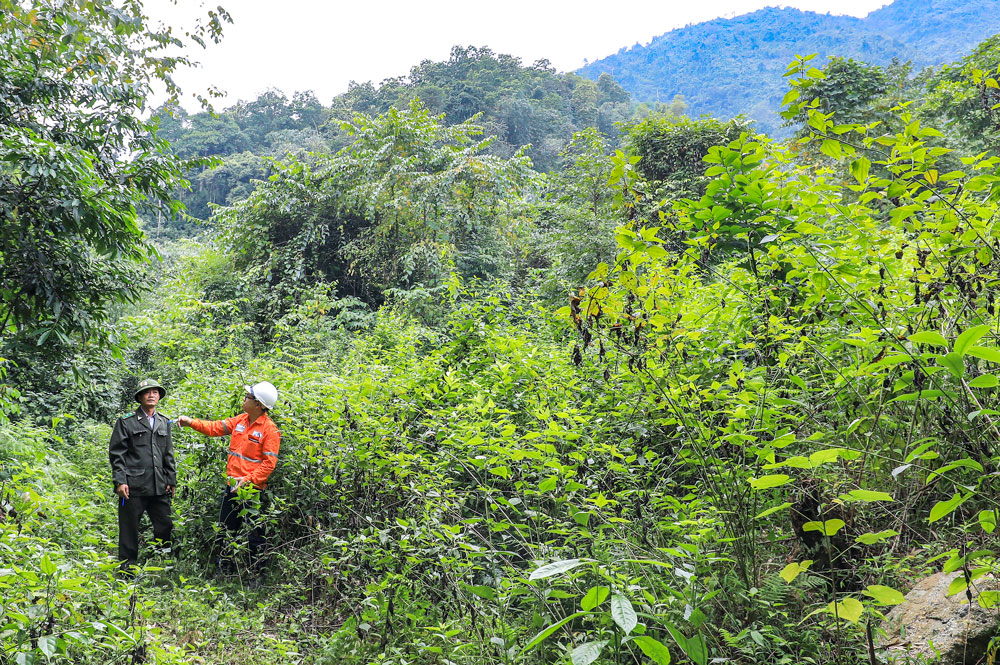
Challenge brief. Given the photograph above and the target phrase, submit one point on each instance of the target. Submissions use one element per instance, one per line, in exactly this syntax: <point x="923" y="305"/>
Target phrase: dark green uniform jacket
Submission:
<point x="142" y="458"/>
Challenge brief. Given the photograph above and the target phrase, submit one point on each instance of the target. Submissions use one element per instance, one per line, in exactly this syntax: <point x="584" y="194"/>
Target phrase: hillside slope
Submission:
<point x="729" y="66"/>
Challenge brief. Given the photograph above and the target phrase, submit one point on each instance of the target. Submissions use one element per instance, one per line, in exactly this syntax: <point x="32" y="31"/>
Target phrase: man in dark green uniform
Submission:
<point x="143" y="470"/>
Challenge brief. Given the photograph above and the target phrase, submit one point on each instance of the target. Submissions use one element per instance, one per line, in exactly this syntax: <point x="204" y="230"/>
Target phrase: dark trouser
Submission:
<point x="231" y="518"/>
<point x="130" y="512"/>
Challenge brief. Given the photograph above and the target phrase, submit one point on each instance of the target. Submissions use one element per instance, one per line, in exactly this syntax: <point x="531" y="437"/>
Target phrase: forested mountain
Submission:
<point x="726" y="67"/>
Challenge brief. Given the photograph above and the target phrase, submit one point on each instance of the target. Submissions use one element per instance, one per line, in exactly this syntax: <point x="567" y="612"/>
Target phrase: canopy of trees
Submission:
<point x="516" y="106"/>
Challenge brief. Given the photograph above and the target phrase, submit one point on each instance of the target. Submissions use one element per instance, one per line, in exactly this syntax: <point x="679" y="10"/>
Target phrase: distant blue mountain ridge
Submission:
<point x="726" y="67"/>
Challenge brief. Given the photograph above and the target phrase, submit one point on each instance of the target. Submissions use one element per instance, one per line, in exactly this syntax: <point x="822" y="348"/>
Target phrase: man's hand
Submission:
<point x="170" y="490"/>
<point x="122" y="490"/>
<point x="240" y="482"/>
<point x="184" y="421"/>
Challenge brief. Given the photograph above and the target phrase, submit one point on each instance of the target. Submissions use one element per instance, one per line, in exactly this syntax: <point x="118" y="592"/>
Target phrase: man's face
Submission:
<point x="149" y="398"/>
<point x="248" y="403"/>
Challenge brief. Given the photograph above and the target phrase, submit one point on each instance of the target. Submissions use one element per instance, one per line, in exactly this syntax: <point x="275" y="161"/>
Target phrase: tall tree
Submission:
<point x="409" y="201"/>
<point x="672" y="151"/>
<point x="77" y="159"/>
<point x="965" y="97"/>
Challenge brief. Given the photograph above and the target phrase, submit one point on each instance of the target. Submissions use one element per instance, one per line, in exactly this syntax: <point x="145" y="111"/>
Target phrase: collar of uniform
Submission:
<point x="142" y="414"/>
<point x="262" y="419"/>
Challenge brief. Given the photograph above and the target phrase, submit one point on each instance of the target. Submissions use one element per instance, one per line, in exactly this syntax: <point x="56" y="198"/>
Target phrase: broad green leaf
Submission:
<point x="489" y="593"/>
<point x="923" y="451"/>
<point x="47" y="645"/>
<point x="958" y="585"/>
<point x="719" y="213"/>
<point x="792" y="570"/>
<point x="985" y="381"/>
<point x="953" y="563"/>
<point x="587" y="653"/>
<point x="654" y="649"/>
<point x="556" y="567"/>
<point x="767" y="482"/>
<point x="697" y="650"/>
<point x="866" y="495"/>
<point x="931" y="337"/>
<point x="904" y="212"/>
<point x="828" y="456"/>
<point x="849" y="609"/>
<point x="946" y="507"/>
<point x="623" y="613"/>
<point x="965" y="463"/>
<point x="988" y="520"/>
<point x="928" y="395"/>
<point x="545" y="632"/>
<point x="984" y="352"/>
<point x="831" y="148"/>
<point x="982" y="412"/>
<point x="772" y="509"/>
<point x="693" y="647"/>
<point x="872" y="538"/>
<point x="860" y="168"/>
<point x="548" y="484"/>
<point x="956" y="562"/>
<point x="884" y="595"/>
<point x="989" y="599"/>
<point x="954" y="363"/>
<point x="46" y="565"/>
<point x="827" y="528"/>
<point x="559" y="593"/>
<point x="697" y="618"/>
<point x="968" y="338"/>
<point x="797" y="462"/>
<point x="594" y="597"/>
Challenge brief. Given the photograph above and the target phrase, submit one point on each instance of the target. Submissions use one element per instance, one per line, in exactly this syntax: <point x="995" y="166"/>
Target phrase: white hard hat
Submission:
<point x="263" y="392"/>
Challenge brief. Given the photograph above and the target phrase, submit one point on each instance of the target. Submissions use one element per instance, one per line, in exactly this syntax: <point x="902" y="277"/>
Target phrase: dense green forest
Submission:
<point x="731" y="66"/>
<point x="562" y="379"/>
<point x="530" y="108"/>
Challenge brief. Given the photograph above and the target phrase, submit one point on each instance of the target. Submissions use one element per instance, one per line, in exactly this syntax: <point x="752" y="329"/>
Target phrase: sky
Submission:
<point x="322" y="45"/>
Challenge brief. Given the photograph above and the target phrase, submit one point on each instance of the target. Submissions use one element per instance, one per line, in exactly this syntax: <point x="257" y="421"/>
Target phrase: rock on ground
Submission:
<point x="932" y="627"/>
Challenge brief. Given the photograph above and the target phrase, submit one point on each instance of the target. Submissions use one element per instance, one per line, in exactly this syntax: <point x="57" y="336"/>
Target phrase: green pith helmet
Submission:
<point x="145" y="385"/>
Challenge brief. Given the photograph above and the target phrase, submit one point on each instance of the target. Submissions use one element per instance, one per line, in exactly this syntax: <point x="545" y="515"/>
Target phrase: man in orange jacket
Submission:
<point x="253" y="454"/>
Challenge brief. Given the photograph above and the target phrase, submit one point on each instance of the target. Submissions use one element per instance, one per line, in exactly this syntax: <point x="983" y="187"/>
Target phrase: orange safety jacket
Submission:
<point x="253" y="448"/>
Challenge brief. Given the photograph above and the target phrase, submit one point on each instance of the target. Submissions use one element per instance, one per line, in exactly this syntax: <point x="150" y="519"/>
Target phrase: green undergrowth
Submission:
<point x="423" y="475"/>
<point x="478" y="491"/>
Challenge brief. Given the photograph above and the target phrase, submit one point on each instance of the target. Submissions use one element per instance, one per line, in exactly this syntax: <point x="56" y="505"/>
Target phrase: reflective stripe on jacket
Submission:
<point x="253" y="447"/>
